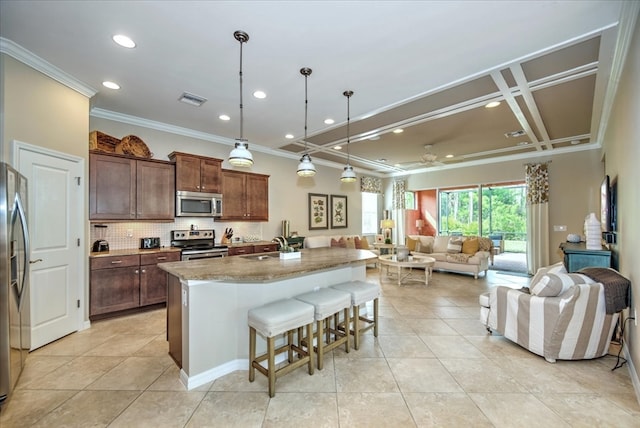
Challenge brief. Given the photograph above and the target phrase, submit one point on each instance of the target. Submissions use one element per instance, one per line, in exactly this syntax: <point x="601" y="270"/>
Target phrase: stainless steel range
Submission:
<point x="197" y="244"/>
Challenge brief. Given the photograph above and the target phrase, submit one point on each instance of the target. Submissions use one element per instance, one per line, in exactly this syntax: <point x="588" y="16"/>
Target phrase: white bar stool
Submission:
<point x="328" y="302"/>
<point x="361" y="292"/>
<point x="274" y="319"/>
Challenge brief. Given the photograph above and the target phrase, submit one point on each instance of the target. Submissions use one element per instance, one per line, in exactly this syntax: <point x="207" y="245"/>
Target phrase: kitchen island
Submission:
<point x="208" y="301"/>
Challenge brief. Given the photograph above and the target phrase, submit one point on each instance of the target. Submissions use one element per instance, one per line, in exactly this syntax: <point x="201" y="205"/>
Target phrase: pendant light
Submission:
<point x="240" y="155"/>
<point x="348" y="174"/>
<point x="306" y="167"/>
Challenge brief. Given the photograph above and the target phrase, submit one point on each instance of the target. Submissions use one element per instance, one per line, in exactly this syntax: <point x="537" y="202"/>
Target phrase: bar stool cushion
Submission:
<point x="280" y="316"/>
<point x="361" y="291"/>
<point x="326" y="301"/>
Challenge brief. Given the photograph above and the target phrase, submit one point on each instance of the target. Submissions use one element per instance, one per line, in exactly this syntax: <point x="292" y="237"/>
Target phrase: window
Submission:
<point x="409" y="200"/>
<point x="369" y="213"/>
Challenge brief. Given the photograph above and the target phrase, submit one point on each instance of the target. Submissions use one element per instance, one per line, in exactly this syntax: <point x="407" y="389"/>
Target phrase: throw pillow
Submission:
<point x="484" y="244"/>
<point x="455" y="245"/>
<point x="364" y="244"/>
<point x="340" y="243"/>
<point x="411" y="244"/>
<point x="350" y="243"/>
<point x="470" y="246"/>
<point x="549" y="284"/>
<point x="358" y="243"/>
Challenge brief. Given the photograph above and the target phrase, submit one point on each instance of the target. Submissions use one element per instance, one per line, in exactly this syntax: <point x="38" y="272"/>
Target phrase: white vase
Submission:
<point x="592" y="232"/>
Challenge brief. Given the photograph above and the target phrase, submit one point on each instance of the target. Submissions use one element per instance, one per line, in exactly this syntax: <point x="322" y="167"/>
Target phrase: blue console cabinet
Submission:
<point x="576" y="256"/>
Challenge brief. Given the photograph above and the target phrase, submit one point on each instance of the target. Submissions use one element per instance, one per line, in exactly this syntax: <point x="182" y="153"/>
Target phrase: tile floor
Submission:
<point x="433" y="364"/>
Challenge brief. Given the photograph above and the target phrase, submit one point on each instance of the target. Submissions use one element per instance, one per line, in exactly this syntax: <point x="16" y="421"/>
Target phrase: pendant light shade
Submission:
<point x="348" y="174"/>
<point x="240" y="155"/>
<point x="306" y="167"/>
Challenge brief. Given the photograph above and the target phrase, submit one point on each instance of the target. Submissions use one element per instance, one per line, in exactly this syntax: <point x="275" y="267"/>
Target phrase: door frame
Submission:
<point x="82" y="321"/>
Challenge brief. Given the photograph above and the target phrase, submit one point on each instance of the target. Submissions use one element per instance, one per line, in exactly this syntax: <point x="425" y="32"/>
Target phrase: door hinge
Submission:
<point x="78" y="242"/>
<point x="78" y="303"/>
<point x="78" y="180"/>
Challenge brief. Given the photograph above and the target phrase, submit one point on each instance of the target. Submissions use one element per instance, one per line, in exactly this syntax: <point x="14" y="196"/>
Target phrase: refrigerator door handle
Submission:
<point x="19" y="211"/>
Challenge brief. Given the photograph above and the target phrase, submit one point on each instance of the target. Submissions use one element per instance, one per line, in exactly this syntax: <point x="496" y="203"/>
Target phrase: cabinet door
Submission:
<point x="245" y="249"/>
<point x="210" y="175"/>
<point x="233" y="191"/>
<point x="187" y="173"/>
<point x="257" y="196"/>
<point x="265" y="248"/>
<point x="155" y="191"/>
<point x="153" y="280"/>
<point x="112" y="188"/>
<point x="114" y="290"/>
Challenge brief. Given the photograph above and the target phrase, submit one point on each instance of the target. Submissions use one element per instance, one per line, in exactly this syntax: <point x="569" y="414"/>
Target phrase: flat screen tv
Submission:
<point x="605" y="204"/>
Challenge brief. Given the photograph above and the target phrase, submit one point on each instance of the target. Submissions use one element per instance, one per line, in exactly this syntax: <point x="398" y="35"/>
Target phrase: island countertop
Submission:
<point x="252" y="268"/>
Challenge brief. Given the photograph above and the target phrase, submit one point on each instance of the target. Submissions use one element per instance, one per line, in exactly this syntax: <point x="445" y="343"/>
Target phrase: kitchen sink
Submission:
<point x="261" y="256"/>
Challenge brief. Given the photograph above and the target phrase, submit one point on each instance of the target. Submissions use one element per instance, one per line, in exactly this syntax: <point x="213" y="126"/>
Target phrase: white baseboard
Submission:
<point x="633" y="373"/>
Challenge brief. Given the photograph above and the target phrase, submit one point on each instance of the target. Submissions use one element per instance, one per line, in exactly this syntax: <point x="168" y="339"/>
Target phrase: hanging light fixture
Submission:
<point x="348" y="174"/>
<point x="240" y="155"/>
<point x="306" y="167"/>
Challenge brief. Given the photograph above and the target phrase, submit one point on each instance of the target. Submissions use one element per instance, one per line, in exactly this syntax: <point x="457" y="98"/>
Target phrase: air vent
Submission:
<point x="192" y="99"/>
<point x="514" y="134"/>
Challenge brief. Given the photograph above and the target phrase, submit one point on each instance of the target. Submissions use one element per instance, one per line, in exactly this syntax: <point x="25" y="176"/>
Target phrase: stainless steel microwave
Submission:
<point x="198" y="204"/>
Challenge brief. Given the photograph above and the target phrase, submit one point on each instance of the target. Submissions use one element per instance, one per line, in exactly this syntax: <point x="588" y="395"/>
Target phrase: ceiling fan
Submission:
<point x="426" y="159"/>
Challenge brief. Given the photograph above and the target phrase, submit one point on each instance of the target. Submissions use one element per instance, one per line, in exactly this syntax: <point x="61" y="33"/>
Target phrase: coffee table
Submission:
<point x="405" y="268"/>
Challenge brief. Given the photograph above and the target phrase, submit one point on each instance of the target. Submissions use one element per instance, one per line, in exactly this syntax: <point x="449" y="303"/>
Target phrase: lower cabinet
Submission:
<point x="251" y="249"/>
<point x="126" y="282"/>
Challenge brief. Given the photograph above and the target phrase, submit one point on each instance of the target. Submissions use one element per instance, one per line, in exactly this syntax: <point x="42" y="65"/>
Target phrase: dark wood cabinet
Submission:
<point x="153" y="280"/>
<point x="246" y="196"/>
<point x="122" y="188"/>
<point x="576" y="256"/>
<point x="127" y="282"/>
<point x="197" y="173"/>
<point x="174" y="319"/>
<point x="252" y="249"/>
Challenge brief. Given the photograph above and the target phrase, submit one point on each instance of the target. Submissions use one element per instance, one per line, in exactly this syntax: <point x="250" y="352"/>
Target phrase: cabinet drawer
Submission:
<point x="265" y="248"/>
<point x="247" y="249"/>
<point x="152" y="259"/>
<point x="114" y="262"/>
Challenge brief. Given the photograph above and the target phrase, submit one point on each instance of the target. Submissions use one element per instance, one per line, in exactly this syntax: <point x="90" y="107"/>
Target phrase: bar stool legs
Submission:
<point x="361" y="292"/>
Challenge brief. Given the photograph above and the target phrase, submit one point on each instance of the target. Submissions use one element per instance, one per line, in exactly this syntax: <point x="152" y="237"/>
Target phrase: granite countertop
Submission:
<point x="249" y="269"/>
<point x="249" y="244"/>
<point x="133" y="252"/>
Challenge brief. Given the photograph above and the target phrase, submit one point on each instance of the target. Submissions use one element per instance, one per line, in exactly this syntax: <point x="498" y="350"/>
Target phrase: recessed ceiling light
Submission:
<point x="124" y="41"/>
<point x="398" y="131"/>
<point x="381" y="160"/>
<point x="289" y="136"/>
<point x="329" y="121"/>
<point x="513" y="134"/>
<point x="492" y="104"/>
<point x="110" y="85"/>
<point x="337" y="147"/>
<point x="224" y="117"/>
<point x="523" y="143"/>
<point x="449" y="156"/>
<point x="260" y="95"/>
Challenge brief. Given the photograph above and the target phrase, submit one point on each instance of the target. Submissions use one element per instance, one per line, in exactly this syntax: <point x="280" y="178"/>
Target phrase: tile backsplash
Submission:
<point x="127" y="235"/>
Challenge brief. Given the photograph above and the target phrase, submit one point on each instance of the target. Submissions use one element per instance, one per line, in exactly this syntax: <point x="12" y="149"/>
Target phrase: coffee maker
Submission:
<point x="100" y="245"/>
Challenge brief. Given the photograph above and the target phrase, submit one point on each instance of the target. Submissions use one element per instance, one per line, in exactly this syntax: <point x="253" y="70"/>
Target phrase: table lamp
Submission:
<point x="419" y="225"/>
<point x="386" y="225"/>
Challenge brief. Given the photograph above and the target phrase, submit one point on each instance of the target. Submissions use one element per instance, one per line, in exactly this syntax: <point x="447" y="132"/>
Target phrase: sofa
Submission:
<point x="461" y="254"/>
<point x="566" y="316"/>
<point x="345" y="241"/>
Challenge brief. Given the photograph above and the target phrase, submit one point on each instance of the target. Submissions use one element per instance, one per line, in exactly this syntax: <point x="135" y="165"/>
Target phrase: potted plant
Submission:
<point x="286" y="252"/>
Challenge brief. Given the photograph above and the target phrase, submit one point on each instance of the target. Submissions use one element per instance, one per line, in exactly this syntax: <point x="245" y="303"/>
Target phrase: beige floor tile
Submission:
<point x="422" y="375"/>
<point x="445" y="410"/>
<point x="293" y="410"/>
<point x="516" y="410"/>
<point x="495" y="346"/>
<point x="74" y="344"/>
<point x="539" y="376"/>
<point x="451" y="347"/>
<point x="404" y="346"/>
<point x="596" y="375"/>
<point x="89" y="408"/>
<point x="158" y="347"/>
<point x="415" y="311"/>
<point x="587" y="410"/>
<point x="170" y="381"/>
<point x="77" y="374"/>
<point x="364" y="375"/>
<point x="626" y="401"/>
<point x="369" y="348"/>
<point x="447" y="312"/>
<point x="37" y="366"/>
<point x="373" y="410"/>
<point x="24" y="408"/>
<point x="299" y="380"/>
<point x="230" y="409"/>
<point x="159" y="409"/>
<point x="394" y="326"/>
<point x="122" y="345"/>
<point x="431" y="327"/>
<point x="134" y="373"/>
<point x="481" y="375"/>
<point x="467" y="327"/>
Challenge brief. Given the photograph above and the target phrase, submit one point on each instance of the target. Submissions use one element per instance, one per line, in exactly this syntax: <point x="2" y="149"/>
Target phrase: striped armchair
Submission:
<point x="570" y="326"/>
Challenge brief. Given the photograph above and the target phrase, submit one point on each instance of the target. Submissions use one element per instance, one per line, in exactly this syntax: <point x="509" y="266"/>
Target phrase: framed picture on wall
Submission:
<point x="379" y="239"/>
<point x="318" y="211"/>
<point x="338" y="212"/>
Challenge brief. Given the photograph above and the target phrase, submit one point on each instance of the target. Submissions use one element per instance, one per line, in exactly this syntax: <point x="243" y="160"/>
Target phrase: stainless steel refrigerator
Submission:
<point x="14" y="278"/>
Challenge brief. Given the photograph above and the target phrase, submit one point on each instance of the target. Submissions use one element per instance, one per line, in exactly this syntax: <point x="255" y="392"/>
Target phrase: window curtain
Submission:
<point x="537" y="180"/>
<point x="398" y="212"/>
<point x="370" y="184"/>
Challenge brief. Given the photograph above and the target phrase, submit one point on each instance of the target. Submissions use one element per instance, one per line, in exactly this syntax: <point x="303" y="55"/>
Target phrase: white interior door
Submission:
<point x="55" y="224"/>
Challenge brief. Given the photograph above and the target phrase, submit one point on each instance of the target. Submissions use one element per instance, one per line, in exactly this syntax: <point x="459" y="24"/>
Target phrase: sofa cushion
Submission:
<point x="412" y="243"/>
<point x="551" y="282"/>
<point x="455" y="245"/>
<point x="440" y="244"/>
<point x="470" y="246"/>
<point x="350" y="242"/>
<point x="364" y="243"/>
<point x="338" y="243"/>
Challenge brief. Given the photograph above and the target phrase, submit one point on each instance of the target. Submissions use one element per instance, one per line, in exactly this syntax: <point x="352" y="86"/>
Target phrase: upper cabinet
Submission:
<point x="197" y="173"/>
<point x="246" y="196"/>
<point x="124" y="188"/>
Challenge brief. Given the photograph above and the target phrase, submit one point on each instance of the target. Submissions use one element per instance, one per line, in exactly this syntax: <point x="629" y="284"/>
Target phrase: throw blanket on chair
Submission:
<point x="616" y="287"/>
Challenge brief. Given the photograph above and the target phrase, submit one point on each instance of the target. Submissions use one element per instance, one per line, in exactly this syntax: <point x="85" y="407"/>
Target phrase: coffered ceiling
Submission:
<point x="428" y="68"/>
